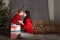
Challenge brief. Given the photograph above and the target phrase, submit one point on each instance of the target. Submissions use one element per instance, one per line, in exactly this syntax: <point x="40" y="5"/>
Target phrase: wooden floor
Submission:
<point x="36" y="37"/>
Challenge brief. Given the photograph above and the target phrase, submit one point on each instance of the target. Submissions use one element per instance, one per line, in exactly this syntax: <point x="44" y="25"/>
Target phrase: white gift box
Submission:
<point x="15" y="29"/>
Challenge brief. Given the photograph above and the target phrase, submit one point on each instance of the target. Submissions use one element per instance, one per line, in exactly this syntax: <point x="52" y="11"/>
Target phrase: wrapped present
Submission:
<point x="15" y="31"/>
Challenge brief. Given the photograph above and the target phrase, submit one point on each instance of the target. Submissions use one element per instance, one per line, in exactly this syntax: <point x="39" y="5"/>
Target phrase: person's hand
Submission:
<point x="21" y="22"/>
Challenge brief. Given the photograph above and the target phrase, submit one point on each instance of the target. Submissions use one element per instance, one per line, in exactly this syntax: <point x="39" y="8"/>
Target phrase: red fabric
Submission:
<point x="15" y="18"/>
<point x="28" y="26"/>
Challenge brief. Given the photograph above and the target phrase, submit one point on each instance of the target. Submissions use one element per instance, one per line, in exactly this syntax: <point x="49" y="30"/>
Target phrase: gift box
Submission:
<point x="15" y="31"/>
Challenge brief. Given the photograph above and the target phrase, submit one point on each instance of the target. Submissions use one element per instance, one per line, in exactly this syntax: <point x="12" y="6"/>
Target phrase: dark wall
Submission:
<point x="37" y="8"/>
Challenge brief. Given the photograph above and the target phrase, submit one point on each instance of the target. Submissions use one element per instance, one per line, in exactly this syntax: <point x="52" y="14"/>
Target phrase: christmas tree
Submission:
<point x="4" y="14"/>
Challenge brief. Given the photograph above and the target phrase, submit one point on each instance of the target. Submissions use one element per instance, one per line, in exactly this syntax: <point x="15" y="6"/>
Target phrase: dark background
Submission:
<point x="38" y="8"/>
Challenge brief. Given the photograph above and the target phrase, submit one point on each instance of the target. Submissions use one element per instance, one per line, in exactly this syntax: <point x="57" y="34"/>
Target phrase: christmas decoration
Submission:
<point x="5" y="17"/>
<point x="4" y="14"/>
